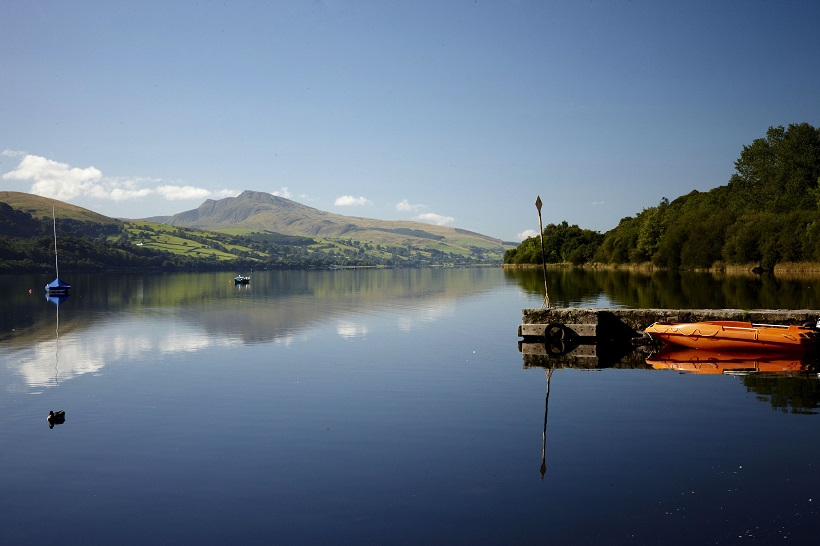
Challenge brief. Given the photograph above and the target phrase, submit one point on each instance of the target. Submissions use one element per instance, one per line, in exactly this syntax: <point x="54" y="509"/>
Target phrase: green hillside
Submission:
<point x="41" y="207"/>
<point x="92" y="242"/>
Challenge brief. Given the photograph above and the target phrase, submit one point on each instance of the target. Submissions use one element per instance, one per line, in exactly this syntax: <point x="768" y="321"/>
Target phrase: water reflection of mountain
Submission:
<point x="579" y="287"/>
<point x="274" y="305"/>
<point x="132" y="317"/>
<point x="282" y="304"/>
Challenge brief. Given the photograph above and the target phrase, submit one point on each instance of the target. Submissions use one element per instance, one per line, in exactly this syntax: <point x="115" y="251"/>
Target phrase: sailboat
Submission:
<point x="57" y="287"/>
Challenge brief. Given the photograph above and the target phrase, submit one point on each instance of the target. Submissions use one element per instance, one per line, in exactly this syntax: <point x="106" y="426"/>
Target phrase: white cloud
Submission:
<point x="12" y="153"/>
<point x="405" y="205"/>
<point x="429" y="217"/>
<point x="527" y="233"/>
<point x="119" y="194"/>
<point x="284" y="192"/>
<point x="433" y="218"/>
<point x="61" y="181"/>
<point x="177" y="193"/>
<point x="350" y="201"/>
<point x="54" y="179"/>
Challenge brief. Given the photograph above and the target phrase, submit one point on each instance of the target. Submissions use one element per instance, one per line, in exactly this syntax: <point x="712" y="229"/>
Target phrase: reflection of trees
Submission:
<point x="568" y="287"/>
<point x="790" y="394"/>
<point x="670" y="289"/>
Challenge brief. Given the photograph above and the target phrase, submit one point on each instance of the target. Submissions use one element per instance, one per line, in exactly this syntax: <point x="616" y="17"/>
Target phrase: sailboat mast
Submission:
<point x="54" y="218"/>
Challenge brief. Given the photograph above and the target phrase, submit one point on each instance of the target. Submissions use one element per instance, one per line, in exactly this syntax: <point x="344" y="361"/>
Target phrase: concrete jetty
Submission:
<point x="614" y="337"/>
<point x="611" y="322"/>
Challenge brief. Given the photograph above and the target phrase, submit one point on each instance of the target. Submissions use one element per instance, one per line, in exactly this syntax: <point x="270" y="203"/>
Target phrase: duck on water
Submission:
<point x="55" y="418"/>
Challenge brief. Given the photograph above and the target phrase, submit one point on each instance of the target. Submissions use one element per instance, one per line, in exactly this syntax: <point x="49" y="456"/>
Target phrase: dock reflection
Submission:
<point x="681" y="359"/>
<point x="789" y="382"/>
<point x="582" y="355"/>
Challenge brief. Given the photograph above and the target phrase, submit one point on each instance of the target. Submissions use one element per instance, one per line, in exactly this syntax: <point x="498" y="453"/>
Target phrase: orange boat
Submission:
<point x="722" y="335"/>
<point x="702" y="361"/>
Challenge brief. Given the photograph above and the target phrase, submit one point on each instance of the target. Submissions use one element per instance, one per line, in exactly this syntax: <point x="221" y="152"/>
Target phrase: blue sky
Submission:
<point x="454" y="112"/>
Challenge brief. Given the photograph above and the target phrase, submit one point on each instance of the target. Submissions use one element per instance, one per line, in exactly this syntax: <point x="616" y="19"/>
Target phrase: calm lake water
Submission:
<point x="386" y="407"/>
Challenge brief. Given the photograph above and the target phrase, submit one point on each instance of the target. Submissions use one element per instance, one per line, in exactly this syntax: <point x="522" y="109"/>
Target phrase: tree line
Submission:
<point x="768" y="213"/>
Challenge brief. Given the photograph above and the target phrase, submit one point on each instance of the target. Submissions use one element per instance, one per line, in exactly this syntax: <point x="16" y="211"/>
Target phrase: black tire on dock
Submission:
<point x="554" y="335"/>
<point x="554" y="332"/>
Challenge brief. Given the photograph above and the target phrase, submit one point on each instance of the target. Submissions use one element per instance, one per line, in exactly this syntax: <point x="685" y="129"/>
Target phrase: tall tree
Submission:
<point x="779" y="173"/>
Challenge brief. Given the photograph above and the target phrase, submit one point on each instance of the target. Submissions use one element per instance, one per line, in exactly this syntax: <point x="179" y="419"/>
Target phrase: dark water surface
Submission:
<point x="384" y="407"/>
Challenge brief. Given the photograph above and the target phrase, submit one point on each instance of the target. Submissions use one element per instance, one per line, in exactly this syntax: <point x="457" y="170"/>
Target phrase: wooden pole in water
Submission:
<point x="543" y="257"/>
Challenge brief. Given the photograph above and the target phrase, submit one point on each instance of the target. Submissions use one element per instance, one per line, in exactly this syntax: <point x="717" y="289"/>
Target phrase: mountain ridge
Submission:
<point x="263" y="211"/>
<point x="254" y="214"/>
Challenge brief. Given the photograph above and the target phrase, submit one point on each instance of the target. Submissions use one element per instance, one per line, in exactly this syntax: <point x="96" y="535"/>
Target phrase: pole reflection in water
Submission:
<point x="543" y="469"/>
<point x="57" y="300"/>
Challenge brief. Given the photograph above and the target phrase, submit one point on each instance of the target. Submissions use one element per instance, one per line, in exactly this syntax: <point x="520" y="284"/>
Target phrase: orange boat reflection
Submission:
<point x="721" y="335"/>
<point x="704" y="361"/>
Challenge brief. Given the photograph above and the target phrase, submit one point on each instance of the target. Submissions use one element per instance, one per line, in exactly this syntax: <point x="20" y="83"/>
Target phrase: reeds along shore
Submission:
<point x="786" y="270"/>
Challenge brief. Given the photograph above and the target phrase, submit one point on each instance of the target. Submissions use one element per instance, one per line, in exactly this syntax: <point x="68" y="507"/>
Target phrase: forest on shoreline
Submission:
<point x="767" y="216"/>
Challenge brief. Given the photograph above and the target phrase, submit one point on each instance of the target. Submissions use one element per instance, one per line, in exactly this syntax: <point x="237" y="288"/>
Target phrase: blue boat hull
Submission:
<point x="57" y="287"/>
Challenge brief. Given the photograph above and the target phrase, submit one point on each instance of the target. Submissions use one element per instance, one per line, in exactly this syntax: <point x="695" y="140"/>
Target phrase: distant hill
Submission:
<point x="41" y="207"/>
<point x="252" y="231"/>
<point x="265" y="212"/>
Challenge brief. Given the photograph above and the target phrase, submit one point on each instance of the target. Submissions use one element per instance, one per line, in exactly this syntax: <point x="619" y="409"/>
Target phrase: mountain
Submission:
<point x="261" y="211"/>
<point x="253" y="230"/>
